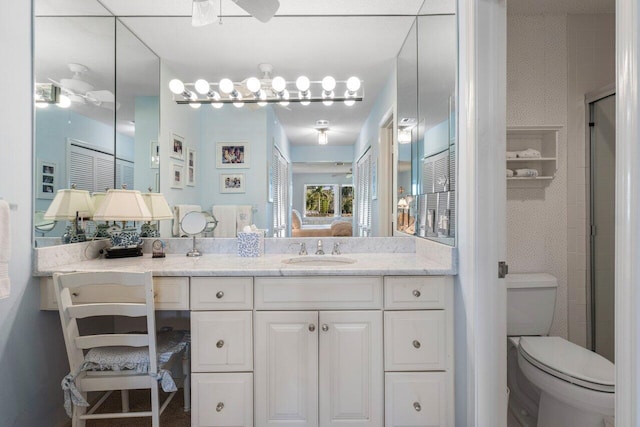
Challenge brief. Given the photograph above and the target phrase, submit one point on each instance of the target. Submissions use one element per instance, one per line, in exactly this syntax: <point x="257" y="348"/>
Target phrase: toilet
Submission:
<point x="552" y="382"/>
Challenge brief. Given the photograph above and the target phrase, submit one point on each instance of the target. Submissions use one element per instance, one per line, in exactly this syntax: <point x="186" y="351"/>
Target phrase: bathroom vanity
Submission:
<point x="366" y="343"/>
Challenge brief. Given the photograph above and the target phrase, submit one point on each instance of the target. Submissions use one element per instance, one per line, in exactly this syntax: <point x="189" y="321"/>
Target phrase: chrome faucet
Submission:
<point x="336" y="249"/>
<point x="319" y="250"/>
<point x="303" y="249"/>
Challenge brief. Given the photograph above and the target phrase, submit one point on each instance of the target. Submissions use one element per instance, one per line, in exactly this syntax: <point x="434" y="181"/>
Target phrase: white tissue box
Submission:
<point x="251" y="244"/>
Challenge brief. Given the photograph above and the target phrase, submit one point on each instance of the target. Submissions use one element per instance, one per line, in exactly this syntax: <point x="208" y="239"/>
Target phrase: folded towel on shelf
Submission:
<point x="179" y="211"/>
<point x="526" y="172"/>
<point x="509" y="173"/>
<point x="512" y="154"/>
<point x="529" y="153"/>
<point x="243" y="217"/>
<point x="5" y="249"/>
<point x="226" y="216"/>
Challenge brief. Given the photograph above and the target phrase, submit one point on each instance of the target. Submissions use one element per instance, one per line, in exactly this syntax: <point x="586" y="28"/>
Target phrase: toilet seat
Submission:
<point x="569" y="362"/>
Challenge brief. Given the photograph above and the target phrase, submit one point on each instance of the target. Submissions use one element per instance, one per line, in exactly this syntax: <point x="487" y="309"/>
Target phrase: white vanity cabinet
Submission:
<point x="319" y="368"/>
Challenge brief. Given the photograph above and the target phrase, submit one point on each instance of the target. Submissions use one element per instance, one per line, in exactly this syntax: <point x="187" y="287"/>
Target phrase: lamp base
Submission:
<point x="149" y="230"/>
<point x="123" y="252"/>
<point x="73" y="236"/>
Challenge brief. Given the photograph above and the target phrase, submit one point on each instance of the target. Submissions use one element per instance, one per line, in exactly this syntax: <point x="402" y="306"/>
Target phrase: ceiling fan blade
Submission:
<point x="101" y="96"/>
<point x="262" y="10"/>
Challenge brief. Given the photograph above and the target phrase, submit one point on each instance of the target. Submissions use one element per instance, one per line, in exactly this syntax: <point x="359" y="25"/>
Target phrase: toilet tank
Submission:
<point x="531" y="301"/>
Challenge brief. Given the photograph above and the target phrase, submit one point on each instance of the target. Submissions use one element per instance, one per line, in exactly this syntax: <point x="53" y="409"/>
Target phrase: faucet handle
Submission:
<point x="319" y="250"/>
<point x="336" y="248"/>
<point x="303" y="248"/>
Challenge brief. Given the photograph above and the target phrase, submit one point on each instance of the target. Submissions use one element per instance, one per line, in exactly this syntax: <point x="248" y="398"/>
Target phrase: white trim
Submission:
<point x="627" y="273"/>
<point x="386" y="128"/>
<point x="480" y="295"/>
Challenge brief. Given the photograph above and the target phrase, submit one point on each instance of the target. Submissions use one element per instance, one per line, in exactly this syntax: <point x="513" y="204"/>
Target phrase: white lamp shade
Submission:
<point x="97" y="199"/>
<point x="123" y="205"/>
<point x="158" y="206"/>
<point x="69" y="202"/>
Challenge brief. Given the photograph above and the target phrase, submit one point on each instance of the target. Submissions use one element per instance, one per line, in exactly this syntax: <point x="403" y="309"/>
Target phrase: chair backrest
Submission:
<point x="66" y="284"/>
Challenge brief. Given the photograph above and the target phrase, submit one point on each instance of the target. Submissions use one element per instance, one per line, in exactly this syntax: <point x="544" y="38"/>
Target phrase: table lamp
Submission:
<point x="102" y="229"/>
<point x="159" y="208"/>
<point x="71" y="204"/>
<point x="123" y="205"/>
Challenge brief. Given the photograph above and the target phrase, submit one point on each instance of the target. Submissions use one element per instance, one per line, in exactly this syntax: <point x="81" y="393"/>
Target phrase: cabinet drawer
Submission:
<point x="418" y="399"/>
<point x="420" y="292"/>
<point x="221" y="341"/>
<point x="415" y="340"/>
<point x="222" y="400"/>
<point x="221" y="293"/>
<point x="318" y="292"/>
<point x="172" y="293"/>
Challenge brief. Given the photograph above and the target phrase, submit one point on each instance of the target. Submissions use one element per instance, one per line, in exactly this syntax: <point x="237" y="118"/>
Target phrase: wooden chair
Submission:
<point x="136" y="353"/>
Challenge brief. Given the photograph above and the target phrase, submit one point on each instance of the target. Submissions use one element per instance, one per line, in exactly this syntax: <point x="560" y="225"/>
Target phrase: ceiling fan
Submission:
<point x="203" y="12"/>
<point x="266" y="81"/>
<point x="79" y="91"/>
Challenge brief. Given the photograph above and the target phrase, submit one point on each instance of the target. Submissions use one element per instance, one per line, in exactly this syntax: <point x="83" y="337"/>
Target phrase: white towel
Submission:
<point x="512" y="154"/>
<point x="226" y="216"/>
<point x="179" y="211"/>
<point x="529" y="153"/>
<point x="527" y="172"/>
<point x="509" y="173"/>
<point x="243" y="217"/>
<point x="5" y="249"/>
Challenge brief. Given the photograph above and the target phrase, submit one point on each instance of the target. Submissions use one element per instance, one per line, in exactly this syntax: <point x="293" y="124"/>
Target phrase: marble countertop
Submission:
<point x="366" y="264"/>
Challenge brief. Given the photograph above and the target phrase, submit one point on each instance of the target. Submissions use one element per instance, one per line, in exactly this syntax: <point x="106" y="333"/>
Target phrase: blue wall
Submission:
<point x="147" y="118"/>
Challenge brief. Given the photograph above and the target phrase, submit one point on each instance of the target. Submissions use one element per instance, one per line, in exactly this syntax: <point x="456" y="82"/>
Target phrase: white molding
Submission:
<point x="480" y="295"/>
<point x="627" y="273"/>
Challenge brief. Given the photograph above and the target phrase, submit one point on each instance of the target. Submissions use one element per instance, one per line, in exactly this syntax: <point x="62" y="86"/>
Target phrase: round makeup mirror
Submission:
<point x="195" y="223"/>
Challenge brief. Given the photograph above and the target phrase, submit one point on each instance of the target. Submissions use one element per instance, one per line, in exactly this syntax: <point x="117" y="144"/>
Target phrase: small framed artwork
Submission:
<point x="47" y="183"/>
<point x="374" y="179"/>
<point x="178" y="147"/>
<point x="155" y="155"/>
<point x="177" y="176"/>
<point x="232" y="155"/>
<point x="191" y="167"/>
<point x="232" y="183"/>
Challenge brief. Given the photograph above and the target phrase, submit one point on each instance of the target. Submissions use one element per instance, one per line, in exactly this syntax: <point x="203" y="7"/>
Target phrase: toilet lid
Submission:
<point x="569" y="362"/>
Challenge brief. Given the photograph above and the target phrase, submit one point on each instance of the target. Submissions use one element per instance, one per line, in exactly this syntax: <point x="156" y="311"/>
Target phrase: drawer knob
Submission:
<point x="416" y="343"/>
<point x="220" y="294"/>
<point x="416" y="293"/>
<point x="220" y="343"/>
<point x="417" y="406"/>
<point x="75" y="294"/>
<point x="325" y="327"/>
<point x="312" y="327"/>
<point x="220" y="406"/>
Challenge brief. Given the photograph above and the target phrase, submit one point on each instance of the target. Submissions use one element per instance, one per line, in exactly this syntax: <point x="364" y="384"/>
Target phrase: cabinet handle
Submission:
<point x="416" y="343"/>
<point x="220" y="294"/>
<point x="220" y="343"/>
<point x="416" y="293"/>
<point x="75" y="294"/>
<point x="325" y="327"/>
<point x="312" y="327"/>
<point x="417" y="406"/>
<point x="220" y="406"/>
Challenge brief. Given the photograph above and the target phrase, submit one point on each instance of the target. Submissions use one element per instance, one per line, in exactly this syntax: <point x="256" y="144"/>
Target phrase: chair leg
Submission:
<point x="125" y="400"/>
<point x="77" y="411"/>
<point x="186" y="384"/>
<point x="155" y="404"/>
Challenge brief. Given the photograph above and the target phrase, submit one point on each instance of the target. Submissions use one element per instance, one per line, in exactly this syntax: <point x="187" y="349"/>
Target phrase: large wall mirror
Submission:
<point x="374" y="171"/>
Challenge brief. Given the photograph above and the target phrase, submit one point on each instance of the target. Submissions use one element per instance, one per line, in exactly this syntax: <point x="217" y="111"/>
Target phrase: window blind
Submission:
<point x="363" y="194"/>
<point x="280" y="188"/>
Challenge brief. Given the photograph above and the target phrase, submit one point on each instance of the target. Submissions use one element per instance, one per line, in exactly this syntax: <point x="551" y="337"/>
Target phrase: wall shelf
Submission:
<point x="541" y="138"/>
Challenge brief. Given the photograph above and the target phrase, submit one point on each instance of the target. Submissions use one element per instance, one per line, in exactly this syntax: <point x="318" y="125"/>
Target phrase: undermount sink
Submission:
<point x="319" y="260"/>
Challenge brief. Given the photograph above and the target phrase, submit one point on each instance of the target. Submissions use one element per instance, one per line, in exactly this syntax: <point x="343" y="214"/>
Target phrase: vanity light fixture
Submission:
<point x="72" y="205"/>
<point x="267" y="91"/>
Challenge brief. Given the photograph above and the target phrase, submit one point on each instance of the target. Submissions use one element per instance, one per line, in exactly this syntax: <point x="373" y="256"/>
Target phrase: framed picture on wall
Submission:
<point x="155" y="155"/>
<point x="232" y="155"/>
<point x="47" y="183"/>
<point x="232" y="183"/>
<point x="177" y="147"/>
<point x="191" y="167"/>
<point x="177" y="176"/>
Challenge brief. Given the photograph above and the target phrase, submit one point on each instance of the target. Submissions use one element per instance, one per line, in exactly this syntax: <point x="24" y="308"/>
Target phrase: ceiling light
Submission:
<point x="323" y="138"/>
<point x="65" y="102"/>
<point x="202" y="86"/>
<point x="404" y="136"/>
<point x="202" y="13"/>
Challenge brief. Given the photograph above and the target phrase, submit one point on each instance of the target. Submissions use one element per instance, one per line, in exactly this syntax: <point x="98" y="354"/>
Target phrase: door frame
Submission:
<point x="386" y="175"/>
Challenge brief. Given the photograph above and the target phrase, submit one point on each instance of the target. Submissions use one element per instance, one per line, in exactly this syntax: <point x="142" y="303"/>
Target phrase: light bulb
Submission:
<point x="238" y="104"/>
<point x="41" y="105"/>
<point x="327" y="96"/>
<point x="285" y="96"/>
<point x="64" y="102"/>
<point x="226" y="86"/>
<point x="349" y="102"/>
<point x="217" y="105"/>
<point x="195" y="105"/>
<point x="253" y="84"/>
<point x="353" y="84"/>
<point x="303" y="84"/>
<point x="305" y="96"/>
<point x="202" y="86"/>
<point x="328" y="83"/>
<point x="279" y="84"/>
<point x="192" y="95"/>
<point x="262" y="96"/>
<point x="176" y="86"/>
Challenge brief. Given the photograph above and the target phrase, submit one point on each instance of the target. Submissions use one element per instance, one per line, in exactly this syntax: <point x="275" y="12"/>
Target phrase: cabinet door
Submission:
<point x="222" y="400"/>
<point x="418" y="399"/>
<point x="351" y="368"/>
<point x="286" y="368"/>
